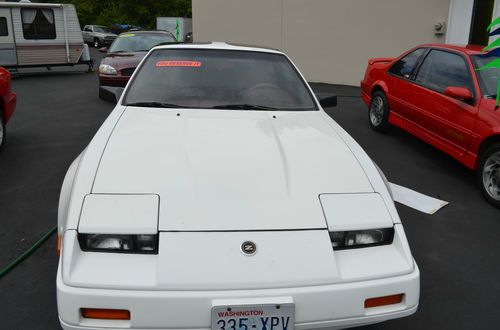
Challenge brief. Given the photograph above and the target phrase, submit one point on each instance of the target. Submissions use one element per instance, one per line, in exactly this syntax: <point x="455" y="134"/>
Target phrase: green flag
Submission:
<point x="177" y="29"/>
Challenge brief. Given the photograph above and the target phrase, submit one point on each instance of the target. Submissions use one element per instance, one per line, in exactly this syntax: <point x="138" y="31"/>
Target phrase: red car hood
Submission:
<point x="123" y="60"/>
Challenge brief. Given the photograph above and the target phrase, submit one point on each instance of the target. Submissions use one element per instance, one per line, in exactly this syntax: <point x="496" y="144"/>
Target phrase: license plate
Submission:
<point x="253" y="317"/>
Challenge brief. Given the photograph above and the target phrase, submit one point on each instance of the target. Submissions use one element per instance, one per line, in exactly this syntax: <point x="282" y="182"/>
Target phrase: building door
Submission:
<point x="7" y="45"/>
<point x="482" y="15"/>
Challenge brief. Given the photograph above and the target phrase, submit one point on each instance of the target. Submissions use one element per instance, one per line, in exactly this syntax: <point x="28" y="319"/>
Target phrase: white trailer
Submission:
<point x="41" y="34"/>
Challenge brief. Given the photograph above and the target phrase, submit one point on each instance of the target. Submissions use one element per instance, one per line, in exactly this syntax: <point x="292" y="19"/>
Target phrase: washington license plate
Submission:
<point x="253" y="317"/>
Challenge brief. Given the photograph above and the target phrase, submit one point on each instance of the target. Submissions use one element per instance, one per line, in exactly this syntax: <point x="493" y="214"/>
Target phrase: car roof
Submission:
<point x="215" y="45"/>
<point x="467" y="49"/>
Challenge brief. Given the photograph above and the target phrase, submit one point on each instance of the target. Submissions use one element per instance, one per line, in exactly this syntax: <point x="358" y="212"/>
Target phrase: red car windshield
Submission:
<point x="219" y="79"/>
<point x="488" y="79"/>
<point x="139" y="42"/>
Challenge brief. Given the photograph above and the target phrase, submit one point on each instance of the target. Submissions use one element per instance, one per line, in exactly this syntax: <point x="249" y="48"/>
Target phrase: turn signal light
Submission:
<point x="105" y="314"/>
<point x="383" y="301"/>
<point x="59" y="245"/>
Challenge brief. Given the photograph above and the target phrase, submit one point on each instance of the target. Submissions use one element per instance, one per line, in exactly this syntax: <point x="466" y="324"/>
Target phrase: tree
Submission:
<point x="141" y="13"/>
<point x="493" y="51"/>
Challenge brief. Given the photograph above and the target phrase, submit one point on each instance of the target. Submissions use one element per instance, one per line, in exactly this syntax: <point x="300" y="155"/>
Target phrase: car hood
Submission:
<point x="222" y="170"/>
<point x="106" y="34"/>
<point x="123" y="60"/>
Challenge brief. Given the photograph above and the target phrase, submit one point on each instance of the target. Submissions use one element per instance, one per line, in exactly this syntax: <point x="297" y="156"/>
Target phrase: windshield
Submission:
<point x="488" y="78"/>
<point x="139" y="42"/>
<point x="219" y="79"/>
<point x="102" y="29"/>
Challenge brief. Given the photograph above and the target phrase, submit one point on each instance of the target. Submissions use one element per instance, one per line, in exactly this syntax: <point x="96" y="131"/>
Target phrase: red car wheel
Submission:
<point x="378" y="113"/>
<point x="2" y="132"/>
<point x="489" y="174"/>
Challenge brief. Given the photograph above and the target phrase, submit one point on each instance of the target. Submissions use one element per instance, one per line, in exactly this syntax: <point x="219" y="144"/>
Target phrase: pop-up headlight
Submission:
<point x="361" y="238"/>
<point x="146" y="244"/>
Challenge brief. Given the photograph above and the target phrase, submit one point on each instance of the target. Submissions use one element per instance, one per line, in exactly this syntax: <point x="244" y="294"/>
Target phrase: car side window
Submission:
<point x="87" y="29"/>
<point x="4" y="31"/>
<point x="406" y="65"/>
<point x="442" y="69"/>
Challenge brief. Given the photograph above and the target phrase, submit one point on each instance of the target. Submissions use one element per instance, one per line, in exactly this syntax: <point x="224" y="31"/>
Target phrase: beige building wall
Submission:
<point x="330" y="40"/>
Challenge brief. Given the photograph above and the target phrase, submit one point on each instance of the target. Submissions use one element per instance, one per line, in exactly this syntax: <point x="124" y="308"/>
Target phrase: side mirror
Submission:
<point x="459" y="93"/>
<point x="103" y="49"/>
<point x="327" y="100"/>
<point x="118" y="93"/>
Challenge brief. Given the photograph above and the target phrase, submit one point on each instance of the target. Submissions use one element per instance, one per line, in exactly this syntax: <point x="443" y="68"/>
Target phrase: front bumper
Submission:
<point x="108" y="86"/>
<point x="113" y="80"/>
<point x="325" y="306"/>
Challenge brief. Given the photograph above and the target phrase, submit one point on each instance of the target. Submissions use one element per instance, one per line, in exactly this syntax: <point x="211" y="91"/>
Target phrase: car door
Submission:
<point x="87" y="34"/>
<point x="437" y="118"/>
<point x="400" y="79"/>
<point x="8" y="55"/>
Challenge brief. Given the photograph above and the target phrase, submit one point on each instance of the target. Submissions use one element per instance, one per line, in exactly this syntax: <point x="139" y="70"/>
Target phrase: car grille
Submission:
<point x="127" y="72"/>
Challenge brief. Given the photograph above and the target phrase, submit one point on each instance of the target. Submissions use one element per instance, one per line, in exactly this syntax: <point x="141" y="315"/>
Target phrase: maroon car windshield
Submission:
<point x="139" y="42"/>
<point x="219" y="79"/>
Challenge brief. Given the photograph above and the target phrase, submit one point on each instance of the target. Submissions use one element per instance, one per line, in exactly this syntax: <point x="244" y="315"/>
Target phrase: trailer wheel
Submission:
<point x="96" y="43"/>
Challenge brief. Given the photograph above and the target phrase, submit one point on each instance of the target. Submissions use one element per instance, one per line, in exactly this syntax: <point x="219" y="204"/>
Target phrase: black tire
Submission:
<point x="96" y="43"/>
<point x="3" y="133"/>
<point x="488" y="174"/>
<point x="378" y="112"/>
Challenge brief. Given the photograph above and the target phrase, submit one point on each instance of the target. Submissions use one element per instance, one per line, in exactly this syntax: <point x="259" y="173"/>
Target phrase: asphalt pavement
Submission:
<point x="58" y="112"/>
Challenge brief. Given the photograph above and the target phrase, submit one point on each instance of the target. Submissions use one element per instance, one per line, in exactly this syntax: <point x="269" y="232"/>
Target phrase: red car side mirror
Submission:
<point x="459" y="93"/>
<point x="103" y="49"/>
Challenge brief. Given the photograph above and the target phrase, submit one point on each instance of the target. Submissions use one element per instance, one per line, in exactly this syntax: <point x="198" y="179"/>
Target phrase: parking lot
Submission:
<point x="457" y="249"/>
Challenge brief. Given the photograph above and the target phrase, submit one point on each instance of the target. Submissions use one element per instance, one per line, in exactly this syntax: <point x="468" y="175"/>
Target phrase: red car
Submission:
<point x="124" y="55"/>
<point x="7" y="103"/>
<point x="435" y="93"/>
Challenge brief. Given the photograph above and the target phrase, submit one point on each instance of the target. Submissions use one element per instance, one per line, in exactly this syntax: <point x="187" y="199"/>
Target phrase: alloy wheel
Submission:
<point x="491" y="175"/>
<point x="377" y="111"/>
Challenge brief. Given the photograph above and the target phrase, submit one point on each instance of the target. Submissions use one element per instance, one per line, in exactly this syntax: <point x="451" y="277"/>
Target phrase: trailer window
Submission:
<point x="38" y="23"/>
<point x="4" y="31"/>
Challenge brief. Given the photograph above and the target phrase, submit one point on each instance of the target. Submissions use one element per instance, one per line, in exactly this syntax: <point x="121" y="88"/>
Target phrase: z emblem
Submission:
<point x="248" y="248"/>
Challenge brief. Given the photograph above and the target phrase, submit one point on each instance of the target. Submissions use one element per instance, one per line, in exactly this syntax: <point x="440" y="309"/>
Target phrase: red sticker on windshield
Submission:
<point x="190" y="64"/>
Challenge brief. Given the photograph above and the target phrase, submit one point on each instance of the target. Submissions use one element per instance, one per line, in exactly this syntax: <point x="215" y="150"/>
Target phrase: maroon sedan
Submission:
<point x="7" y="103"/>
<point x="124" y="55"/>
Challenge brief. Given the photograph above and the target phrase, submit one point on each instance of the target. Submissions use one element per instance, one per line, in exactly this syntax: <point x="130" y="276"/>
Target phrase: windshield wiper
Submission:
<point x="244" y="107"/>
<point x="154" y="105"/>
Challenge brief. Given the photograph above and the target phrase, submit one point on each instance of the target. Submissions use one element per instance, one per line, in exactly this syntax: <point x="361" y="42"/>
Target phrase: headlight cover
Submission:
<point x="384" y="178"/>
<point x="342" y="240"/>
<point x="107" y="69"/>
<point x="141" y="244"/>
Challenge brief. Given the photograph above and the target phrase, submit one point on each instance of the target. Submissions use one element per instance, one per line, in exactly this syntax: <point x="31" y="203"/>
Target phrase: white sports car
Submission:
<point x="219" y="195"/>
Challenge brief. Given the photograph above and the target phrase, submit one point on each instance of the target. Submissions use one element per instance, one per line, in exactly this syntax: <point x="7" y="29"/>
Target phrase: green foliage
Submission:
<point x="134" y="12"/>
<point x="495" y="64"/>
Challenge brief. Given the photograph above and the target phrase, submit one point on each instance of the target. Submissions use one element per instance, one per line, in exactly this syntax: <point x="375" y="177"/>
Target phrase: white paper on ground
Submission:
<point x="416" y="200"/>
